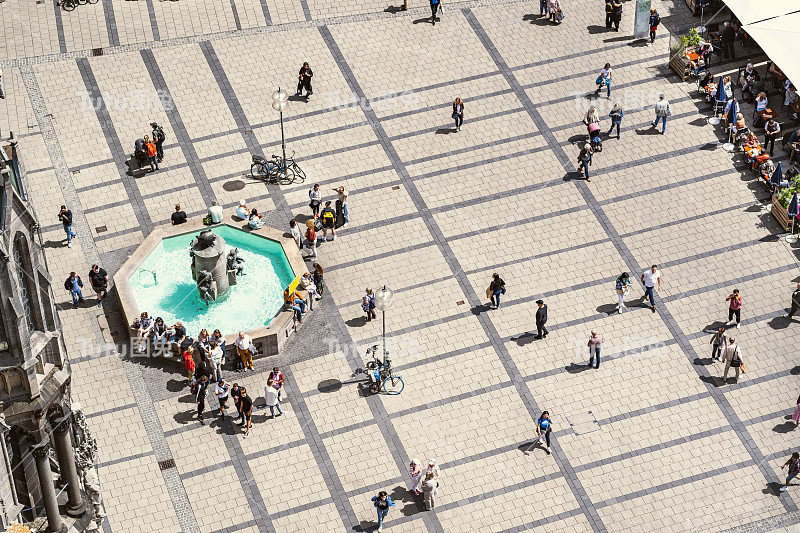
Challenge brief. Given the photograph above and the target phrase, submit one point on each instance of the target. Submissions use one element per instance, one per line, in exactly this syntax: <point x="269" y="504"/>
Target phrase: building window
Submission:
<point x="24" y="282"/>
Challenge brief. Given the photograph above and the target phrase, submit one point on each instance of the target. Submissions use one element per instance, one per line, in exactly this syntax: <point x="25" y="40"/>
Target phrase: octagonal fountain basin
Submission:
<point x="163" y="285"/>
<point x="157" y="278"/>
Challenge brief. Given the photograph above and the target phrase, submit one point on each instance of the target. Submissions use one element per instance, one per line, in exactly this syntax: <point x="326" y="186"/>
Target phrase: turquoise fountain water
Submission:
<point x="163" y="285"/>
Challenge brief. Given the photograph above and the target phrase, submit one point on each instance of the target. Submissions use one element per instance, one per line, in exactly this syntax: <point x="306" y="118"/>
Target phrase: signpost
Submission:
<point x="641" y="24"/>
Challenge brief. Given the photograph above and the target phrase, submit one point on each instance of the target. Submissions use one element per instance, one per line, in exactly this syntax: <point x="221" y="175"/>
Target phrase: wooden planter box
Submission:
<point x="680" y="65"/>
<point x="780" y="214"/>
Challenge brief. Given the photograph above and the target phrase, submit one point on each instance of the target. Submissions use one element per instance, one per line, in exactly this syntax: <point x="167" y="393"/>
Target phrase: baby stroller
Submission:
<point x="594" y="136"/>
<point x="140" y="152"/>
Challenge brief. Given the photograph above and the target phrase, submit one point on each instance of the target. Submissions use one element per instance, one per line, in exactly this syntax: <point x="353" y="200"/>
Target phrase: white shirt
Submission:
<point x="606" y="73"/>
<point x="242" y="213"/>
<point x="651" y="278"/>
<point x="244" y="343"/>
<point x="433" y="469"/>
<point x="270" y="395"/>
<point x="216" y="213"/>
<point x="216" y="355"/>
<point x="295" y="231"/>
<point x="221" y="392"/>
<point x="761" y="105"/>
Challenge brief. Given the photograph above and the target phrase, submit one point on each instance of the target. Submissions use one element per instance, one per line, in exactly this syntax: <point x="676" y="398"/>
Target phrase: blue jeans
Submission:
<point x="346" y="213"/>
<point x="153" y="164"/>
<point x="543" y="8"/>
<point x="76" y="296"/>
<point x="648" y="293"/>
<point x="585" y="166"/>
<point x="273" y="407"/>
<point x="592" y="357"/>
<point x="496" y="298"/>
<point x="299" y="308"/>
<point x="664" y="123"/>
<point x="381" y="515"/>
<point x="70" y="233"/>
<point x="614" y="125"/>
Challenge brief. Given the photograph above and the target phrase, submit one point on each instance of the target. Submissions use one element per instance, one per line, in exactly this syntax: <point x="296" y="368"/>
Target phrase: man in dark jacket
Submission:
<point x="616" y="13"/>
<point x="541" y="320"/>
<point x="795" y="302"/>
<point x="304" y="81"/>
<point x="609" y="17"/>
<point x="74" y="285"/>
<point x="728" y="37"/>
<point x="98" y="277"/>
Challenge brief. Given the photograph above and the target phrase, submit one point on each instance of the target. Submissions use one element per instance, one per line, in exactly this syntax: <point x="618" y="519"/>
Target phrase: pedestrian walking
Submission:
<point x="430" y="491"/>
<point x="496" y="287"/>
<point x="655" y="20"/>
<point x="541" y="320"/>
<point x="318" y="280"/>
<point x="435" y="5"/>
<point x="794" y="469"/>
<point x="592" y="117"/>
<point x="663" y="110"/>
<point x="795" y="302"/>
<point x="2" y="89"/>
<point x="65" y="216"/>
<point x="718" y="343"/>
<point x="609" y="15"/>
<point x="188" y="362"/>
<point x="604" y="79"/>
<point x="616" y="13"/>
<point x="728" y="38"/>
<point x="543" y="11"/>
<point x="622" y="286"/>
<point x="246" y="405"/>
<point x="200" y="397"/>
<point x="594" y="344"/>
<point x="98" y="278"/>
<point x="158" y="138"/>
<point x="732" y="358"/>
<point x="543" y="427"/>
<point x="382" y="502"/>
<point x="342" y="209"/>
<point x="311" y="240"/>
<point x="295" y="232"/>
<point x="74" y="284"/>
<point x="277" y="378"/>
<point x="328" y="222"/>
<point x="221" y="392"/>
<point x="616" y="115"/>
<point x="236" y="396"/>
<point x="735" y="308"/>
<point x="179" y="216"/>
<point x="796" y="414"/>
<point x="271" y="398"/>
<point x="650" y="278"/>
<point x="458" y="112"/>
<point x="368" y="305"/>
<point x="554" y="7"/>
<point x="415" y="471"/>
<point x="771" y="130"/>
<point x="245" y="349"/>
<point x="584" y="160"/>
<point x="152" y="153"/>
<point x="304" y="81"/>
<point x="315" y="195"/>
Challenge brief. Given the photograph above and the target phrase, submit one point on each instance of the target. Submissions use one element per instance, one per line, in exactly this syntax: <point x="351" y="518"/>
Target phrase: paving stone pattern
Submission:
<point x="660" y="443"/>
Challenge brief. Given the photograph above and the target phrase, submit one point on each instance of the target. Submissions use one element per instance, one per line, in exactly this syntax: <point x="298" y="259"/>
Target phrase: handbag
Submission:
<point x="455" y="115"/>
<point x="489" y="292"/>
<point x="600" y="81"/>
<point x="736" y="361"/>
<point x="560" y="16"/>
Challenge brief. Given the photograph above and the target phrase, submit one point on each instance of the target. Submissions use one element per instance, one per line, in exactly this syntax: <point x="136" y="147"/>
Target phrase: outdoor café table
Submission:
<point x="767" y="114"/>
<point x="795" y="106"/>
<point x="692" y="56"/>
<point x="795" y="150"/>
<point x="753" y="152"/>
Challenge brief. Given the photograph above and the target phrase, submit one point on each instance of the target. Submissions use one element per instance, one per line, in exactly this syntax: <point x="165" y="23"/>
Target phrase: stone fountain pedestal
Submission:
<point x="208" y="256"/>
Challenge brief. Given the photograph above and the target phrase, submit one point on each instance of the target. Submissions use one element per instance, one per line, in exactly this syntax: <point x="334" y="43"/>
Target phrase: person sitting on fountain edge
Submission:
<point x="297" y="304"/>
<point x="177" y="337"/>
<point x="255" y="221"/>
<point x="243" y="211"/>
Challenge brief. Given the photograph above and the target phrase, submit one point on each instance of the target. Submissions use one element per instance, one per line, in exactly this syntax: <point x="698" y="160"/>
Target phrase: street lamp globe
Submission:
<point x="384" y="299"/>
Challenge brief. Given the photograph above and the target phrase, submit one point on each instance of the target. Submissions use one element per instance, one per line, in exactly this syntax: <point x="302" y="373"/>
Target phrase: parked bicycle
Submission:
<point x="277" y="170"/>
<point x="381" y="375"/>
<point x="69" y="5"/>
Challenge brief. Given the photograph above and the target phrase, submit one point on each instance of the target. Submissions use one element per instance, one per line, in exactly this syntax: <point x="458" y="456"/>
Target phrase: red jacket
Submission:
<point x="151" y="148"/>
<point x="189" y="361"/>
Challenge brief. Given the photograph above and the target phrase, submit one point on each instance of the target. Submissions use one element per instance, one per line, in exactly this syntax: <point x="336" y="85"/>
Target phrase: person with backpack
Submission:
<point x="718" y="341"/>
<point x="311" y="240"/>
<point x="543" y="428"/>
<point x="663" y="110"/>
<point x="328" y="217"/>
<point x="382" y="502"/>
<point x="655" y="20"/>
<point x="304" y="81"/>
<point x="368" y="305"/>
<point x="622" y="285"/>
<point x="732" y="358"/>
<point x="794" y="470"/>
<point x="200" y="397"/>
<point x="159" y="137"/>
<point x="616" y="13"/>
<point x="150" y="149"/>
<point x="496" y="287"/>
<point x="609" y="16"/>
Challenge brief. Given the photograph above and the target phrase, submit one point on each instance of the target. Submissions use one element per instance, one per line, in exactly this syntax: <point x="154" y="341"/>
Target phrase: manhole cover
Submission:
<point x="101" y="229"/>
<point x="396" y="188"/>
<point x="583" y="423"/>
<point x="329" y="385"/>
<point x="233" y="185"/>
<point x="166" y="465"/>
<point x="97" y="52"/>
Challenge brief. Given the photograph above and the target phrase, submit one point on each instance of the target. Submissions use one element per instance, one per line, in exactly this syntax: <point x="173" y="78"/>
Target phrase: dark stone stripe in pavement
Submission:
<point x="111" y="23"/>
<point x="178" y="128"/>
<point x="153" y="20"/>
<point x="116" y="148"/>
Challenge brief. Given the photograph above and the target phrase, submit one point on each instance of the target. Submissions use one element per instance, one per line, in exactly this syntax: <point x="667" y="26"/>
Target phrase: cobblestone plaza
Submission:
<point x="651" y="441"/>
